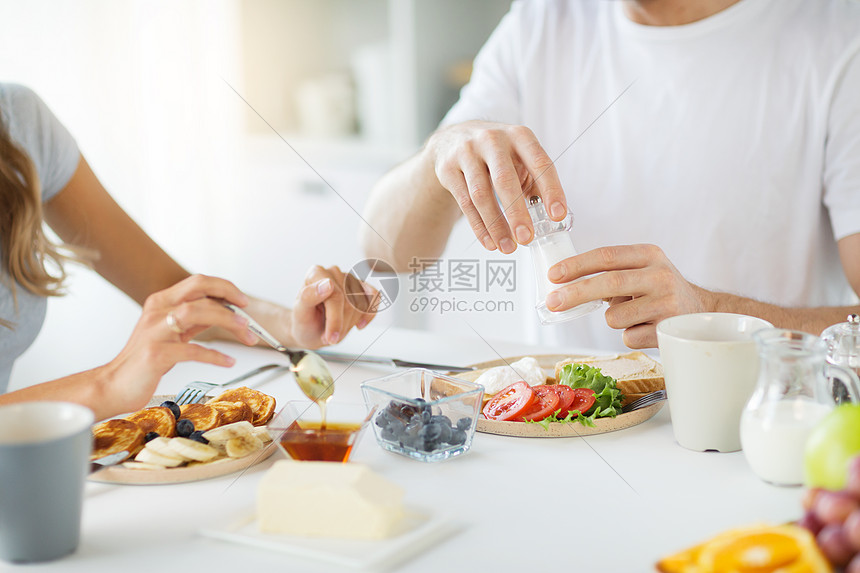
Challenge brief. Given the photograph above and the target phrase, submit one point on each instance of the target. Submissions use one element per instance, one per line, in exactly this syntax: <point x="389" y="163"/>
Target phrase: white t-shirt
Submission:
<point x="53" y="150"/>
<point x="736" y="150"/>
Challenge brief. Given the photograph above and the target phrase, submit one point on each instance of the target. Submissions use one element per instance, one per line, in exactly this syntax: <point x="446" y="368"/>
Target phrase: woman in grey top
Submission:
<point x="44" y="179"/>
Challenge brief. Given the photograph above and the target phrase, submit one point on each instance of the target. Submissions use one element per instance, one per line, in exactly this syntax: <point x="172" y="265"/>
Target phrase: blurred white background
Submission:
<point x="147" y="89"/>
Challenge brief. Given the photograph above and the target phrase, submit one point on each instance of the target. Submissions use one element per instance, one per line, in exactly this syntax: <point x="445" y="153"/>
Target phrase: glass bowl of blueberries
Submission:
<point x="423" y="414"/>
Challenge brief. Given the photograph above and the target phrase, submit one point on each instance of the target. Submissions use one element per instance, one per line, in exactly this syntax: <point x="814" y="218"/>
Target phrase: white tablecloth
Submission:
<point x="614" y="502"/>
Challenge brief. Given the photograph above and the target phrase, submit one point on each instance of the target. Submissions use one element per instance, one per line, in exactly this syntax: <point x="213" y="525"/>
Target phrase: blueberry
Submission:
<point x="387" y="435"/>
<point x="382" y="419"/>
<point x="197" y="436"/>
<point x="413" y="427"/>
<point x="428" y="446"/>
<point x="396" y="426"/>
<point x="464" y="424"/>
<point x="431" y="432"/>
<point x="446" y="431"/>
<point x="184" y="427"/>
<point x="458" y="437"/>
<point x="173" y="408"/>
<point x="150" y="436"/>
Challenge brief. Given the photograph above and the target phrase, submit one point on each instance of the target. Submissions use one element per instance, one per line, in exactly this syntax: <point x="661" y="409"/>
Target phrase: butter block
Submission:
<point x="327" y="499"/>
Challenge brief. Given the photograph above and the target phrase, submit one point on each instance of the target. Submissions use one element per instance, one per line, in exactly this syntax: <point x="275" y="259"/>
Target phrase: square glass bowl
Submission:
<point x="298" y="432"/>
<point x="422" y="414"/>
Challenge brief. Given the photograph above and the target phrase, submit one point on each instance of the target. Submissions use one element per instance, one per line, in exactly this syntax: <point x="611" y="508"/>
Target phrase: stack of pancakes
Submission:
<point x="129" y="433"/>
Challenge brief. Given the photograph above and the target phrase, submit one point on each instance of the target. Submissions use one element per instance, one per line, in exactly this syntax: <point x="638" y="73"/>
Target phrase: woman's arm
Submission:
<point x="84" y="214"/>
<point x="128" y="381"/>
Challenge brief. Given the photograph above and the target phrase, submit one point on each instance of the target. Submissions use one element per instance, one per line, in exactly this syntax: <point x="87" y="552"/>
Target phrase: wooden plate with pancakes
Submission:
<point x="222" y="467"/>
<point x="556" y="429"/>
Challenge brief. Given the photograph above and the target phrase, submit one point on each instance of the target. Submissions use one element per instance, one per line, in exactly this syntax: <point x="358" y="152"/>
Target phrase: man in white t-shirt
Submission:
<point x="733" y="151"/>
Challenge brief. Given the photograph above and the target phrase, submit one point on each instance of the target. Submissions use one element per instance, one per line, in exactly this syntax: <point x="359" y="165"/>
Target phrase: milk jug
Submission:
<point x="793" y="393"/>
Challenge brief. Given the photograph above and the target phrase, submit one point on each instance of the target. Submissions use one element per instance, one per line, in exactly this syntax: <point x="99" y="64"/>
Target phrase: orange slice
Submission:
<point x="757" y="549"/>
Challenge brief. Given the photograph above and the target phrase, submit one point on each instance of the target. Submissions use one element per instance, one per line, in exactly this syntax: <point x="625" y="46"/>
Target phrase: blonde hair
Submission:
<point x="26" y="251"/>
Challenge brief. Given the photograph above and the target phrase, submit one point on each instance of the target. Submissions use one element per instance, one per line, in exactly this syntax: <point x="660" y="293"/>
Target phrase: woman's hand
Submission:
<point x="161" y="338"/>
<point x="477" y="160"/>
<point x="642" y="286"/>
<point x="329" y="305"/>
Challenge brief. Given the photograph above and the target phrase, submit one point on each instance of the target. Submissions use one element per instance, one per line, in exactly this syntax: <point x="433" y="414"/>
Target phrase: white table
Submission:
<point x="614" y="502"/>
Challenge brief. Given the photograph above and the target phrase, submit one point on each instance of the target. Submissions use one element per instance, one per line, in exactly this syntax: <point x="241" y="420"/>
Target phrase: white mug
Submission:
<point x="710" y="364"/>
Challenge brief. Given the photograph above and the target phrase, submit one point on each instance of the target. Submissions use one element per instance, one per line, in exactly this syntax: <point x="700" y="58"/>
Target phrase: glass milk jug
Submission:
<point x="793" y="393"/>
<point x="843" y="349"/>
<point x="552" y="244"/>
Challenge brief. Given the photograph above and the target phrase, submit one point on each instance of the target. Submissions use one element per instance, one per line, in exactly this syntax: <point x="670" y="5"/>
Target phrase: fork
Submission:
<point x="644" y="401"/>
<point x="196" y="391"/>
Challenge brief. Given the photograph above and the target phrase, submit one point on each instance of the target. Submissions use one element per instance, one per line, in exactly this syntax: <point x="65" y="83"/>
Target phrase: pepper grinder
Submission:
<point x="552" y="243"/>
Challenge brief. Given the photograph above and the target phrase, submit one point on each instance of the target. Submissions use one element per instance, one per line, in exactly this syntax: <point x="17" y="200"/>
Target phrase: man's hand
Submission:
<point x="476" y="160"/>
<point x="640" y="283"/>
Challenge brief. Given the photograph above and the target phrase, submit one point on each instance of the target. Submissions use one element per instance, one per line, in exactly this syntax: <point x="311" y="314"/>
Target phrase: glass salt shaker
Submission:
<point x="552" y="243"/>
<point x="843" y="349"/>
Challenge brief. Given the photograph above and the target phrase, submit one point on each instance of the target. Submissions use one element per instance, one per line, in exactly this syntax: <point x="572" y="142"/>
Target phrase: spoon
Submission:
<point x="311" y="372"/>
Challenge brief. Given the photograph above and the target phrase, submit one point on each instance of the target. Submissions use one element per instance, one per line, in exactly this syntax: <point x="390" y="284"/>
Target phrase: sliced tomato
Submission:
<point x="566" y="395"/>
<point x="546" y="402"/>
<point x="510" y="403"/>
<point x="583" y="400"/>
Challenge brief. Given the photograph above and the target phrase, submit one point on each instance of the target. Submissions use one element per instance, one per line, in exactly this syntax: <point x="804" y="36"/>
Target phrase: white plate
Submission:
<point x="418" y="532"/>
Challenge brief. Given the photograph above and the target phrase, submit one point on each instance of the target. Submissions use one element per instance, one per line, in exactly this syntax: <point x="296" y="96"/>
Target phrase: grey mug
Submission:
<point x="44" y="455"/>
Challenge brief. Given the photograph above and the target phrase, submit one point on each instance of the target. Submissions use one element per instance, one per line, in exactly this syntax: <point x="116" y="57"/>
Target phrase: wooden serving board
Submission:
<point x="225" y="466"/>
<point x="556" y="429"/>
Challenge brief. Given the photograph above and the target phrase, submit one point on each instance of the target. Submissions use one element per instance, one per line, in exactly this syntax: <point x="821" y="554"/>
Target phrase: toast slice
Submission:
<point x="204" y="417"/>
<point x="112" y="436"/>
<point x="157" y="419"/>
<point x="635" y="373"/>
<point x="233" y="412"/>
<point x="262" y="405"/>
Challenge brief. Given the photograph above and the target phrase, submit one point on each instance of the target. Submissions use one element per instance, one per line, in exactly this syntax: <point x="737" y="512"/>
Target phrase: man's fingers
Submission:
<point x="454" y="181"/>
<point x="617" y="257"/>
<point x="507" y="185"/>
<point x="483" y="197"/>
<point x="628" y="283"/>
<point x="545" y="181"/>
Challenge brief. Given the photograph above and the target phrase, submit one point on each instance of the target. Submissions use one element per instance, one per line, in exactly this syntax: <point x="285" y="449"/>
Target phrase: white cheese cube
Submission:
<point x="327" y="499"/>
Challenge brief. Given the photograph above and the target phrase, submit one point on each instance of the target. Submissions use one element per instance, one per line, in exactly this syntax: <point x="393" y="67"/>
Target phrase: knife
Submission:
<point x="109" y="460"/>
<point x="396" y="362"/>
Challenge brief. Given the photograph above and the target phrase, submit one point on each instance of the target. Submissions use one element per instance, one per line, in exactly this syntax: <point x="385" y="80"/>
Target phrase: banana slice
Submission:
<point x="192" y="450"/>
<point x="142" y="466"/>
<point x="213" y="461"/>
<point x="262" y="433"/>
<point x="230" y="431"/>
<point x="243" y="445"/>
<point x="161" y="446"/>
<point x="149" y="456"/>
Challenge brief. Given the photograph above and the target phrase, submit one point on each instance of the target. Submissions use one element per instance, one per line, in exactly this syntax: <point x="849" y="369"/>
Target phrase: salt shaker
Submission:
<point x="552" y="244"/>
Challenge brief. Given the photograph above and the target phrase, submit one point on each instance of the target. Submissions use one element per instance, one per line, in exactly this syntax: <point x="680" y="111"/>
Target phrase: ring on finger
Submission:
<point x="173" y="323"/>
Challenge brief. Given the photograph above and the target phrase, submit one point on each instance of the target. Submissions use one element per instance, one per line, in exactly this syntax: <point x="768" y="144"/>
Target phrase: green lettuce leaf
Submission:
<point x="607" y="396"/>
